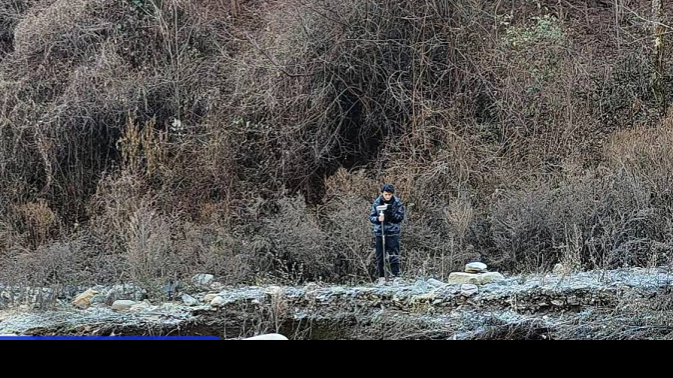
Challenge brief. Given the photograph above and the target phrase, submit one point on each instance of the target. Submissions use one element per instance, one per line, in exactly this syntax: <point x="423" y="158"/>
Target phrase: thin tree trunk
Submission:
<point x="659" y="75"/>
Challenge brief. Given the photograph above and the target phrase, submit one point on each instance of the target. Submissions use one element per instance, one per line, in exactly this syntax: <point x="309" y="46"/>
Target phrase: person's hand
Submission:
<point x="382" y="218"/>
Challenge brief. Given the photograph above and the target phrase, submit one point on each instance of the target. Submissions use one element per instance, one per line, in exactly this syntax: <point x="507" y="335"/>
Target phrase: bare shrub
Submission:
<point x="604" y="221"/>
<point x="215" y="249"/>
<point x="149" y="247"/>
<point x="289" y="242"/>
<point x="60" y="263"/>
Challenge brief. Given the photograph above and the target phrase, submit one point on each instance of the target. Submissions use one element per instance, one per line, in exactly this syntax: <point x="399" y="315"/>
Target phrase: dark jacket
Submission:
<point x="394" y="217"/>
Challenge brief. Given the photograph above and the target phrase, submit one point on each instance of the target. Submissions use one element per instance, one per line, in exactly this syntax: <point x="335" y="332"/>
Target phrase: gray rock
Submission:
<point x="468" y="290"/>
<point x="203" y="280"/>
<point x="189" y="300"/>
<point x="436" y="283"/>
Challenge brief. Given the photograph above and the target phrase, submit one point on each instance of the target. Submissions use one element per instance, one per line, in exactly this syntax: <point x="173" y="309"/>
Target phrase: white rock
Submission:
<point x="209" y="297"/>
<point x="217" y="301"/>
<point x="476" y="267"/>
<point x="273" y="290"/>
<point x="489" y="278"/>
<point x="122" y="305"/>
<point x="269" y="337"/>
<point x="475" y="279"/>
<point x="463" y="278"/>
<point x="559" y="269"/>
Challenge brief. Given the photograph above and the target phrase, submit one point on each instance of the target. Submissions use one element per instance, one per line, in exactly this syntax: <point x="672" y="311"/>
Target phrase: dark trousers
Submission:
<point x="393" y="251"/>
